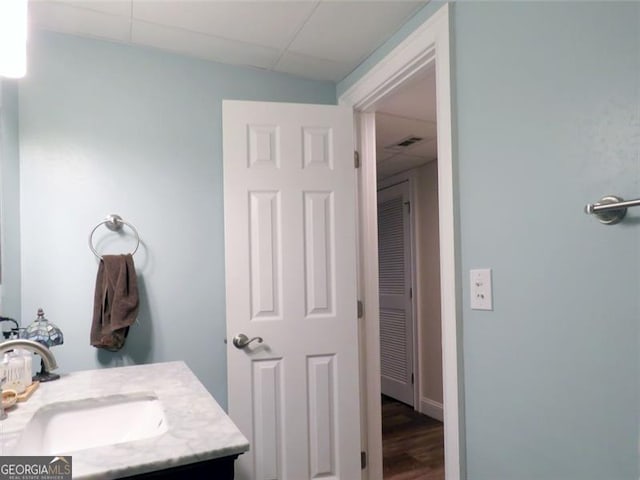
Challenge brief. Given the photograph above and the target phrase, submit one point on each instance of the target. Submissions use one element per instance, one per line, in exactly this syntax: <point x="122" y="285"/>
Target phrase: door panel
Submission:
<point x="265" y="267"/>
<point x="267" y="416"/>
<point x="291" y="279"/>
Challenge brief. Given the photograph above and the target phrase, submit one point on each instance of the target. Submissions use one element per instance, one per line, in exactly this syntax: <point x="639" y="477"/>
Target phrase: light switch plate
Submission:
<point x="481" y="295"/>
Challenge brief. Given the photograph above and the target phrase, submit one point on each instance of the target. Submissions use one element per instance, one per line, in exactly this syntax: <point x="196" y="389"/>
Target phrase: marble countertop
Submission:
<point x="198" y="428"/>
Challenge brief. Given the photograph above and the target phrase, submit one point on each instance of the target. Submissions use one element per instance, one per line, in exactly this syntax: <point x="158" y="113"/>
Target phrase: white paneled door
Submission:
<point x="290" y="252"/>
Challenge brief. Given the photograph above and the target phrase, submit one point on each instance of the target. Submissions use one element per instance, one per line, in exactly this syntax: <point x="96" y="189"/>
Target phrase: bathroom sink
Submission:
<point x="66" y="427"/>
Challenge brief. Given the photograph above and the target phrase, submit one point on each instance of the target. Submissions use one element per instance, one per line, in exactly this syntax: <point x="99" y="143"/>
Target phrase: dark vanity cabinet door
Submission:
<point x="218" y="469"/>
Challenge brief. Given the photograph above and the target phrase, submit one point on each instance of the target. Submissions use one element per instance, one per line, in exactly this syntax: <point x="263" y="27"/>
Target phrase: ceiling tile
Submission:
<point x="426" y="149"/>
<point x="416" y="99"/>
<point x="391" y="129"/>
<point x="400" y="163"/>
<point x="203" y="46"/>
<point x="309" y="67"/>
<point x="316" y="39"/>
<point x="350" y="31"/>
<point x="271" y="24"/>
<point x="121" y="8"/>
<point x="64" y="18"/>
<point x="382" y="154"/>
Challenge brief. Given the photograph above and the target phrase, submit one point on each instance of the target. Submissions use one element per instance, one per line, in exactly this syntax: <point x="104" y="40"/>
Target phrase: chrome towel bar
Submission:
<point x="610" y="209"/>
<point x="114" y="223"/>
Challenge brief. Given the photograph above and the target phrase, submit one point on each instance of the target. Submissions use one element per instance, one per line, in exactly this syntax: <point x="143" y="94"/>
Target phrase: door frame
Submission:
<point x="425" y="47"/>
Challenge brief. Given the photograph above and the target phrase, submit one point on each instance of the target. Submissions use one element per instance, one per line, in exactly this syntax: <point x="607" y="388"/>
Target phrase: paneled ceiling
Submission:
<point x="409" y="112"/>
<point x="317" y="39"/>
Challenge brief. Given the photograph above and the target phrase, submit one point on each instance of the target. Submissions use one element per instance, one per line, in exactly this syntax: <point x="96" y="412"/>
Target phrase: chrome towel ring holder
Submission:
<point x="114" y="223"/>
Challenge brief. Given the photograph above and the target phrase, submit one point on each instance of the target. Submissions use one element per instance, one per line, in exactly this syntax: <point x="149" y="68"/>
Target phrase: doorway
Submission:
<point x="427" y="46"/>
<point x="409" y="280"/>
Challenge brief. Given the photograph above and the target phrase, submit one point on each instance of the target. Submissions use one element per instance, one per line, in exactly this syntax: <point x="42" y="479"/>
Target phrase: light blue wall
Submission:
<point x="547" y="118"/>
<point x="108" y="128"/>
<point x="9" y="200"/>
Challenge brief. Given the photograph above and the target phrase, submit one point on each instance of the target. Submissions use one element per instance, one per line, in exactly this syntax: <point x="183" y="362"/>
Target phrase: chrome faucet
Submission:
<point x="48" y="360"/>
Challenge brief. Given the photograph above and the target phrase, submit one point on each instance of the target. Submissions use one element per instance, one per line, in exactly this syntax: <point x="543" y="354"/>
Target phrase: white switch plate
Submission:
<point x="481" y="295"/>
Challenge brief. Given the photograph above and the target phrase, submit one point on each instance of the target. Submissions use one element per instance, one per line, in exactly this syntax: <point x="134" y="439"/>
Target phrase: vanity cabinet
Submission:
<point x="218" y="468"/>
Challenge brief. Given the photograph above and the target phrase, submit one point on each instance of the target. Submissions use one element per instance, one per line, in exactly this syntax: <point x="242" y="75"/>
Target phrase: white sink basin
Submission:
<point x="66" y="427"/>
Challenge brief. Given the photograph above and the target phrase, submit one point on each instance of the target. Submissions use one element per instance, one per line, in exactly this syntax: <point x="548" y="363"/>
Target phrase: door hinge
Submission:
<point x="410" y="292"/>
<point x="412" y="379"/>
<point x="360" y="309"/>
<point x="408" y="204"/>
<point x="363" y="460"/>
<point x="356" y="159"/>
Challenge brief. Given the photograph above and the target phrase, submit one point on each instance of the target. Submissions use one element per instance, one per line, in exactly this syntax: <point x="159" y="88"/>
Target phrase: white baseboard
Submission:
<point x="431" y="408"/>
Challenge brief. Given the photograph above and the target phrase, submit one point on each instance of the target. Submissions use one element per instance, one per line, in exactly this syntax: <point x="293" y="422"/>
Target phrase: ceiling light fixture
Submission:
<point x="13" y="38"/>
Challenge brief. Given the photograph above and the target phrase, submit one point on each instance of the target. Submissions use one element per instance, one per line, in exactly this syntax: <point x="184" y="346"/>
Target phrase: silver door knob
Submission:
<point x="241" y="340"/>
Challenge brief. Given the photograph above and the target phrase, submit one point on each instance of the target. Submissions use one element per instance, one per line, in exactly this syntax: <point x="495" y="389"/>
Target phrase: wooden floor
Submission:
<point x="412" y="443"/>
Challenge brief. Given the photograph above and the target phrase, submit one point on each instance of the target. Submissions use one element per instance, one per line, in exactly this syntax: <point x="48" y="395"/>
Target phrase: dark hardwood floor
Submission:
<point x="412" y="443"/>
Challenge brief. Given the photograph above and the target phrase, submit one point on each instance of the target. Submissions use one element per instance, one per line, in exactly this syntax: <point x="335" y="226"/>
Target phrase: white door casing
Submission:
<point x="427" y="45"/>
<point x="396" y="316"/>
<point x="290" y="240"/>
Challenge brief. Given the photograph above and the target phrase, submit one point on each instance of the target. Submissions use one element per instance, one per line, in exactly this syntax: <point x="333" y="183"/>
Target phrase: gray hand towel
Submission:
<point x="115" y="305"/>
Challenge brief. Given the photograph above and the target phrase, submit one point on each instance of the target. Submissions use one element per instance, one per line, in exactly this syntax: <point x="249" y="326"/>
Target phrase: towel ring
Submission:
<point x="114" y="223"/>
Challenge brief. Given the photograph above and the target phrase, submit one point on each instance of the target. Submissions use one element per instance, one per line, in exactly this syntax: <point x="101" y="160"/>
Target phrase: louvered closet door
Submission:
<point x="396" y="326"/>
